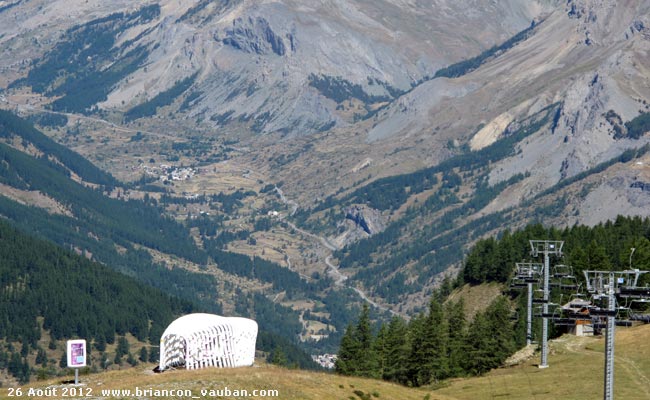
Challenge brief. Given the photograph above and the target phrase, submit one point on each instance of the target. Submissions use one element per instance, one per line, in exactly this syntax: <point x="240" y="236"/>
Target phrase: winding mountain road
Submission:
<point x="29" y="107"/>
<point x="332" y="269"/>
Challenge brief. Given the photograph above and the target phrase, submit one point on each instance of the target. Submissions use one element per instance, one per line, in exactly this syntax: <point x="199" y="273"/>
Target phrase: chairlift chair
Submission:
<point x="518" y="285"/>
<point x="562" y="271"/>
<point x="578" y="293"/>
<point x="641" y="312"/>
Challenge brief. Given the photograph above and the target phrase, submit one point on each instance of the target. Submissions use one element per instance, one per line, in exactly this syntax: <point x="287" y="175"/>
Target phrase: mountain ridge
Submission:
<point x="538" y="130"/>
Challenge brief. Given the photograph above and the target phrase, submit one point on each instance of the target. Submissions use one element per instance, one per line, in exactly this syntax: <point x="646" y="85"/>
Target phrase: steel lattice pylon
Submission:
<point x="529" y="273"/>
<point x="609" y="284"/>
<point x="546" y="247"/>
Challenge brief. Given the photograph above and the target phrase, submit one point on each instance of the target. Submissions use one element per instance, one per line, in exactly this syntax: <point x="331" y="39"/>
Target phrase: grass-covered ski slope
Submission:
<point x="575" y="372"/>
<point x="576" y="367"/>
<point x="290" y="384"/>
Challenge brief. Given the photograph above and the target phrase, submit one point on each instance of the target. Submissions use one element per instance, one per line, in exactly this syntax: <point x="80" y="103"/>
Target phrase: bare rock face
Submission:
<point x="255" y="35"/>
<point x="628" y="191"/>
<point x="603" y="22"/>
<point x="359" y="223"/>
<point x="368" y="219"/>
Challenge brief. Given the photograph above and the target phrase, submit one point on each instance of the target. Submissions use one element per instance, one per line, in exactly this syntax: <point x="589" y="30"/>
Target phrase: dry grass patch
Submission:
<point x="290" y="384"/>
<point x="576" y="367"/>
<point x="476" y="298"/>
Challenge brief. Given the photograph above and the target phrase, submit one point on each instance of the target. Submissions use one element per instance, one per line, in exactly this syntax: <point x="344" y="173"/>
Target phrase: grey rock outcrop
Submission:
<point x="644" y="186"/>
<point x="360" y="222"/>
<point x="366" y="218"/>
<point x="255" y="35"/>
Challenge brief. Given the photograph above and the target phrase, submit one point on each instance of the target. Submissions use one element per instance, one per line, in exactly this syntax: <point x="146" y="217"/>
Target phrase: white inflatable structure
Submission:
<point x="208" y="340"/>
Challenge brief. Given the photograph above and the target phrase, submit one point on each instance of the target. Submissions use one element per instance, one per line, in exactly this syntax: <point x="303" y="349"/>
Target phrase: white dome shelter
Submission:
<point x="208" y="340"/>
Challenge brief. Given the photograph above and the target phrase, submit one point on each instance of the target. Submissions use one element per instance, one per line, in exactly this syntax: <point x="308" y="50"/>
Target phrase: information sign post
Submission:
<point x="76" y="354"/>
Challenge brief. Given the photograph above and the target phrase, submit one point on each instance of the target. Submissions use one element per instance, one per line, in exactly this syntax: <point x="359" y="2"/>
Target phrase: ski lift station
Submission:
<point x="207" y="340"/>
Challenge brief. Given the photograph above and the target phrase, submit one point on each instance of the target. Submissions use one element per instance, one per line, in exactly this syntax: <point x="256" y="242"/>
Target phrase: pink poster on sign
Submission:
<point x="77" y="355"/>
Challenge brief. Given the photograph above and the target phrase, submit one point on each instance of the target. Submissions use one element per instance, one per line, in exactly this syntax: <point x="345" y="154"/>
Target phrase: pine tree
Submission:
<point x="153" y="355"/>
<point x="479" y="356"/>
<point x="131" y="360"/>
<point x="356" y="354"/>
<point x="415" y="359"/>
<point x="122" y="347"/>
<point x="490" y="338"/>
<point x="15" y="365"/>
<point x="144" y="356"/>
<point x="346" y="362"/>
<point x="457" y="348"/>
<point x="429" y="340"/>
<point x="579" y="260"/>
<point x="434" y="346"/>
<point x="24" y="350"/>
<point x="396" y="351"/>
<point x="100" y="342"/>
<point x="367" y="358"/>
<point x="380" y="350"/>
<point x="506" y="256"/>
<point x="498" y="314"/>
<point x="26" y="373"/>
<point x="597" y="257"/>
<point x="278" y="357"/>
<point x="41" y="356"/>
<point x="104" y="362"/>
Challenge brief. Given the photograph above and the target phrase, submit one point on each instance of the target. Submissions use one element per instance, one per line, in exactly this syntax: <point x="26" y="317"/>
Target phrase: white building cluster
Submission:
<point x="325" y="360"/>
<point x="167" y="173"/>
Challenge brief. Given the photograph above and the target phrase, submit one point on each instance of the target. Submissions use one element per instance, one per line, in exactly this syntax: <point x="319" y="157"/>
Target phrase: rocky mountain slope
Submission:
<point x="277" y="65"/>
<point x="397" y="131"/>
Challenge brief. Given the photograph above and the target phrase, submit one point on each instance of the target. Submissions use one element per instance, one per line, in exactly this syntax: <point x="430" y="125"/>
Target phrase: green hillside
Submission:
<point x="279" y="383"/>
<point x="83" y="69"/>
<point x="121" y="233"/>
<point x="575" y="372"/>
<point x="99" y="224"/>
<point x="444" y="343"/>
<point x="12" y="125"/>
<point x="50" y="291"/>
<point x="576" y="367"/>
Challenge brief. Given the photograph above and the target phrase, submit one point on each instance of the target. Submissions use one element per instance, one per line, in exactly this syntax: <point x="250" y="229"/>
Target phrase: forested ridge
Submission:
<point x="84" y="68"/>
<point x="443" y="343"/>
<point x="466" y="66"/>
<point x="51" y="291"/>
<point x="435" y="246"/>
<point x="605" y="246"/>
<point x="47" y="288"/>
<point x="165" y="98"/>
<point x="116" y="233"/>
<point x="11" y="124"/>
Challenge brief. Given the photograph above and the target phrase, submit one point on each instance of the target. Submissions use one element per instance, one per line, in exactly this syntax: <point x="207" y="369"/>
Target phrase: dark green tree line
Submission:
<point x="433" y="346"/>
<point x="606" y="246"/>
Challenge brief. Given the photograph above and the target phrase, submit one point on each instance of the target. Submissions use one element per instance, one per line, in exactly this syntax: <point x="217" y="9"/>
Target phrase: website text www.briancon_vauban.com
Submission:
<point x="138" y="392"/>
<point x="188" y="393"/>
